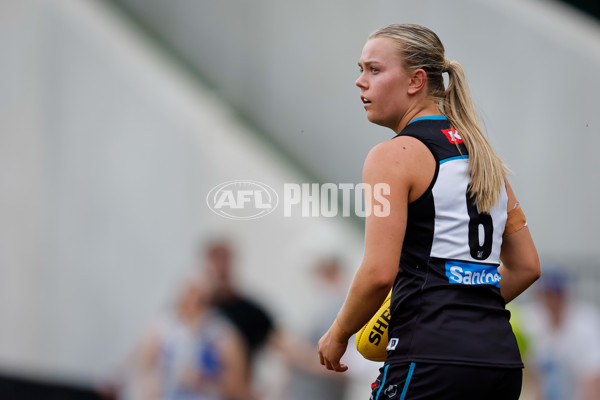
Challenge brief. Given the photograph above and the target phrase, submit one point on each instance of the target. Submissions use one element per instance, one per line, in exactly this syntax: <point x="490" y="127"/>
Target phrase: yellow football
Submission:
<point x="372" y="339"/>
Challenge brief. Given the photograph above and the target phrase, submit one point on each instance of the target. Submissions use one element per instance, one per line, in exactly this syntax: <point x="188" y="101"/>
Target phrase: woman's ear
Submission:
<point x="417" y="81"/>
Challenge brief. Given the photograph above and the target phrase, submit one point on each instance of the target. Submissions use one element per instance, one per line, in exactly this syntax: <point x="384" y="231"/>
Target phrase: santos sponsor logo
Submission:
<point x="472" y="274"/>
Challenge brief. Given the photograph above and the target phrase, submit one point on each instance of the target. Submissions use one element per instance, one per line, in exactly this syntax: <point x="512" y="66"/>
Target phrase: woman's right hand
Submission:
<point x="331" y="349"/>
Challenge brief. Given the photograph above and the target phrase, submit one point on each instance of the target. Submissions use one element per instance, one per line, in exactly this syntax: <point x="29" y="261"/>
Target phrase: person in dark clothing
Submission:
<point x="254" y="323"/>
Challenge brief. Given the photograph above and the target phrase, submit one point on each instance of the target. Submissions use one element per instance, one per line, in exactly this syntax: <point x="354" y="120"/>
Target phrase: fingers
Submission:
<point x="332" y="365"/>
<point x="337" y="367"/>
<point x="328" y="364"/>
<point x="329" y="356"/>
<point x="325" y="361"/>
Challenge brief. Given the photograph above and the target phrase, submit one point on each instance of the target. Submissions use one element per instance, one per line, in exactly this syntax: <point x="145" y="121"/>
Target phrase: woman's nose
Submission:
<point x="360" y="82"/>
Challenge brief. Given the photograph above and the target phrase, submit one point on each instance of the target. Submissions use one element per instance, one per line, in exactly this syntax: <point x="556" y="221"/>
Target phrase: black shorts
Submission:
<point x="420" y="381"/>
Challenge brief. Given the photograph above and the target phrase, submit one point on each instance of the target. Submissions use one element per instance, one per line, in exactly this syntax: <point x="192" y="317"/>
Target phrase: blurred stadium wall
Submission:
<point x="107" y="153"/>
<point x="111" y="136"/>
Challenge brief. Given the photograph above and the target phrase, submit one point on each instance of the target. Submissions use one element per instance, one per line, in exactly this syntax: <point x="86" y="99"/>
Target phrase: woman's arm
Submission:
<point x="406" y="165"/>
<point x="520" y="263"/>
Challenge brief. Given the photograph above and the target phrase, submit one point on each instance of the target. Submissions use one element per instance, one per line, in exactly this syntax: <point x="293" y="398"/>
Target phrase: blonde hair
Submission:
<point x="421" y="48"/>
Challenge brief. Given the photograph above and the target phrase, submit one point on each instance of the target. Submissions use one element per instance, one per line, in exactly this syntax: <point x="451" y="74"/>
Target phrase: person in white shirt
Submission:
<point x="563" y="358"/>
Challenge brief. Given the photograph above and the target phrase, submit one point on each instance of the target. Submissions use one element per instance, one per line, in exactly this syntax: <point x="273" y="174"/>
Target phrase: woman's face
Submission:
<point x="383" y="82"/>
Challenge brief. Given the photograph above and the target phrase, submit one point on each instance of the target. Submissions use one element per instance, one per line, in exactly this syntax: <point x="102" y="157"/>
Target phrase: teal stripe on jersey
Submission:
<point x="465" y="157"/>
<point x="430" y="117"/>
<point x="410" y="373"/>
<point x="382" y="382"/>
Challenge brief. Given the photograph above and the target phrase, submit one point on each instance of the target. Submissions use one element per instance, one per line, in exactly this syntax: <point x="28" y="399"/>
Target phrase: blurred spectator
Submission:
<point x="253" y="322"/>
<point x="309" y="380"/>
<point x="563" y="358"/>
<point x="190" y="353"/>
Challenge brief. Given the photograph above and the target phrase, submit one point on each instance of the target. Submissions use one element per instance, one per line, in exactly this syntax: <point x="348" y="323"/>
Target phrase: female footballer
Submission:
<point x="454" y="247"/>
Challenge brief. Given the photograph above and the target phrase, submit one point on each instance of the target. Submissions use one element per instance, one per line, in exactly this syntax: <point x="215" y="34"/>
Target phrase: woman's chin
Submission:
<point x="377" y="121"/>
<point x="372" y="118"/>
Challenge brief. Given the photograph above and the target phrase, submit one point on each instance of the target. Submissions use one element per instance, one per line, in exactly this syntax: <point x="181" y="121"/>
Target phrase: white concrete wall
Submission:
<point x="21" y="182"/>
<point x="107" y="154"/>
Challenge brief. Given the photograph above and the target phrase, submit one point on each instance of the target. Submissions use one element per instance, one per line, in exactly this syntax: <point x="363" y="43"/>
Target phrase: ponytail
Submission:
<point x="488" y="172"/>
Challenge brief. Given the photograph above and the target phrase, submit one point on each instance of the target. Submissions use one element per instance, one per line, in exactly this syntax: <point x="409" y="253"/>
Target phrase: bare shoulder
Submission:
<point x="400" y="155"/>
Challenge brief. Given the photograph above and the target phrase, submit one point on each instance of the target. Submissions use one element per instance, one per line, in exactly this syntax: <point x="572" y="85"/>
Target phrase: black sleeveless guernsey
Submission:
<point x="446" y="305"/>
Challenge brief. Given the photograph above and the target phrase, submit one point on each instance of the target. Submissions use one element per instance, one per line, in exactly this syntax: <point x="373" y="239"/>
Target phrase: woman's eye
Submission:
<point x="372" y="69"/>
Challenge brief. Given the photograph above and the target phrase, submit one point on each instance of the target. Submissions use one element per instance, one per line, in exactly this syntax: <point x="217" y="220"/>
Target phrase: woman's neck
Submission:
<point x="425" y="110"/>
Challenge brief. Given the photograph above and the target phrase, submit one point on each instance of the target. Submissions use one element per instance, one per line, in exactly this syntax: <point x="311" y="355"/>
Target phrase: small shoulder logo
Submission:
<point x="452" y="135"/>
